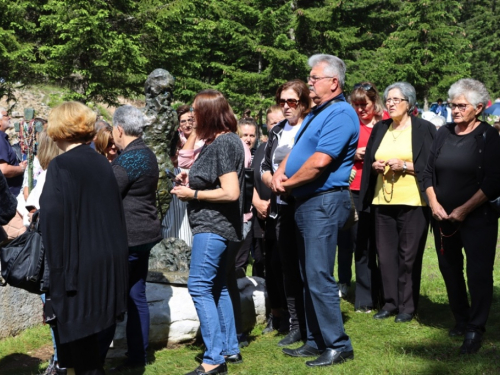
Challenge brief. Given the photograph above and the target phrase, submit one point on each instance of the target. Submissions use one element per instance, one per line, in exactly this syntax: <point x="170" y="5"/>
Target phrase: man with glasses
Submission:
<point x="9" y="165"/>
<point x="316" y="173"/>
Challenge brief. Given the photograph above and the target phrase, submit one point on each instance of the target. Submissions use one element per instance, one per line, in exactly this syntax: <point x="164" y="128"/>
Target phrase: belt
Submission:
<point x="331" y="190"/>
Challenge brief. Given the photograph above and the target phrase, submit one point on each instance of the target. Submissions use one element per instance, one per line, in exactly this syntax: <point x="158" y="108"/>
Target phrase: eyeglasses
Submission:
<point x="314" y="79"/>
<point x="189" y="120"/>
<point x="461" y="107"/>
<point x="395" y="100"/>
<point x="364" y="86"/>
<point x="292" y="103"/>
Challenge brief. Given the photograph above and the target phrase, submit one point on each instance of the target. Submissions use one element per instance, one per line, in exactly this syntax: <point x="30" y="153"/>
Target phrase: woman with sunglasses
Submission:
<point x="392" y="182"/>
<point x="462" y="174"/>
<point x="368" y="105"/>
<point x="293" y="97"/>
<point x="104" y="143"/>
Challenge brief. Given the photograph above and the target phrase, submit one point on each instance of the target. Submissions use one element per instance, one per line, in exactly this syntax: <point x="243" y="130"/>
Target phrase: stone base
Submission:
<point x="174" y="320"/>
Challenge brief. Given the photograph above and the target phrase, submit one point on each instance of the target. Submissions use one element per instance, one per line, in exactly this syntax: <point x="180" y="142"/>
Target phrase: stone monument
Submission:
<point x="161" y="124"/>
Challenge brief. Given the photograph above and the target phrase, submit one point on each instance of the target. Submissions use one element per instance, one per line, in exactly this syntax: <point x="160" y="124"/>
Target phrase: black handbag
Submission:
<point x="23" y="258"/>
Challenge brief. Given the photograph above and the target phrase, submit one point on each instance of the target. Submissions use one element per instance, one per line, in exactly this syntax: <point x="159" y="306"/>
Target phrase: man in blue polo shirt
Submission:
<point x="316" y="173"/>
<point x="9" y="165"/>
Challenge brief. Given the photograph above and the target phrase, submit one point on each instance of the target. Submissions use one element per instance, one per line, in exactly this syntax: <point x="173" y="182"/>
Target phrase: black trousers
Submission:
<point x="273" y="274"/>
<point x="400" y="234"/>
<point x="286" y="230"/>
<point x="360" y="240"/>
<point x="477" y="235"/>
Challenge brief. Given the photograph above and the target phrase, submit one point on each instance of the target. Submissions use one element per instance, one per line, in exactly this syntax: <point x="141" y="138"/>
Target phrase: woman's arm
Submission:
<point x="229" y="191"/>
<point x="438" y="212"/>
<point x="461" y="212"/>
<point x="260" y="205"/>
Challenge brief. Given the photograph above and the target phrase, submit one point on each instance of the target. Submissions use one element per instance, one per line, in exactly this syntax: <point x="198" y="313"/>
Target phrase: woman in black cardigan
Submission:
<point x="463" y="173"/>
<point x="392" y="182"/>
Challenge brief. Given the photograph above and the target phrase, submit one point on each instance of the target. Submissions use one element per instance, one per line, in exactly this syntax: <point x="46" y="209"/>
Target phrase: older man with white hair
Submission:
<point x="316" y="173"/>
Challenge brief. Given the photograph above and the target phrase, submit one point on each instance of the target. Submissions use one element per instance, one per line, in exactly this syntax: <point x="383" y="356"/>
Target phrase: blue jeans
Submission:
<point x="42" y="296"/>
<point x="207" y="287"/>
<point x="318" y="219"/>
<point x="137" y="306"/>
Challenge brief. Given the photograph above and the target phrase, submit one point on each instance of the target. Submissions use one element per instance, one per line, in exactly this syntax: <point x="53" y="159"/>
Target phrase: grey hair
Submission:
<point x="130" y="119"/>
<point x="408" y="92"/>
<point x="474" y="91"/>
<point x="335" y="67"/>
<point x="2" y="109"/>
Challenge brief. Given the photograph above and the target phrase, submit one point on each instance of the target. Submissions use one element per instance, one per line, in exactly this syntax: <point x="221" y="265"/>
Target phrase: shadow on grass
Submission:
<point x="19" y="364"/>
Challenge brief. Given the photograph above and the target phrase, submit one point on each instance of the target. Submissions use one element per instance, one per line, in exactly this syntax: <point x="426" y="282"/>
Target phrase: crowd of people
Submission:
<point x="326" y="154"/>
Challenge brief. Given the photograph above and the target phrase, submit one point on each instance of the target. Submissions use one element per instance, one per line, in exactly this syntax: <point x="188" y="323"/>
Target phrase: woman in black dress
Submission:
<point x="463" y="173"/>
<point x="83" y="229"/>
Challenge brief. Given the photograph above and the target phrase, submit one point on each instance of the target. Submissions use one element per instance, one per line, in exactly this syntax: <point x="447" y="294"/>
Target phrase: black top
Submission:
<point x="456" y="170"/>
<point x="475" y="165"/>
<point x="259" y="225"/>
<point x="9" y="156"/>
<point x="422" y="135"/>
<point x="136" y="170"/>
<point x="224" y="155"/>
<point x="84" y="234"/>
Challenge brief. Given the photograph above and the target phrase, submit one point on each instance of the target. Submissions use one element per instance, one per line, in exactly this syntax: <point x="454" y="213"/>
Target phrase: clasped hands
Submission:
<point x="395" y="165"/>
<point x="439" y="213"/>
<point x="180" y="189"/>
<point x="277" y="183"/>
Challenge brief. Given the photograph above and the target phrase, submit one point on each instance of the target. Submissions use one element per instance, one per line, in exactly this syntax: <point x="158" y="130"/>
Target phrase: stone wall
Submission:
<point x="18" y="310"/>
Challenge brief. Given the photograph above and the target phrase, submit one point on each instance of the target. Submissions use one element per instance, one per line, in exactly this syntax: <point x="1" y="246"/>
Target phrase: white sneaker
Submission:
<point x="343" y="290"/>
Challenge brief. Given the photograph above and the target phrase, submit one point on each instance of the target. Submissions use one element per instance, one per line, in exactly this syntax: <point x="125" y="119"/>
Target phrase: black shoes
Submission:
<point x="458" y="330"/>
<point x="235" y="358"/>
<point x="403" y="318"/>
<point x="331" y="357"/>
<point x="304" y="351"/>
<point x="382" y="314"/>
<point x="292" y="337"/>
<point x="272" y="325"/>
<point x="221" y="370"/>
<point x="472" y="342"/>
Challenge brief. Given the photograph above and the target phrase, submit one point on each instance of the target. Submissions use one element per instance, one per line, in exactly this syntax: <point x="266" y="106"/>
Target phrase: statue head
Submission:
<point x="159" y="84"/>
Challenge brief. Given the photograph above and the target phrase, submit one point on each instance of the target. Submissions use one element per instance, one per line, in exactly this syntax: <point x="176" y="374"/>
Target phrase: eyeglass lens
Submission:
<point x="292" y="103"/>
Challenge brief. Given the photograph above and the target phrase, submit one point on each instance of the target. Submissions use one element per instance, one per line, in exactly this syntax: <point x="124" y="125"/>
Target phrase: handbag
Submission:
<point x="248" y="189"/>
<point x="22" y="260"/>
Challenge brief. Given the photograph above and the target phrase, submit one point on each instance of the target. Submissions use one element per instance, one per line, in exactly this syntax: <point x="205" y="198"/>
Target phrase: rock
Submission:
<point x="18" y="310"/>
<point x="174" y="320"/>
<point x="170" y="254"/>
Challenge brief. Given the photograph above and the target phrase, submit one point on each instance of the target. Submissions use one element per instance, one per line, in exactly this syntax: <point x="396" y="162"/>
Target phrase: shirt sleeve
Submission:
<point x="336" y="133"/>
<point x="122" y="178"/>
<point x="4" y="149"/>
<point x="229" y="154"/>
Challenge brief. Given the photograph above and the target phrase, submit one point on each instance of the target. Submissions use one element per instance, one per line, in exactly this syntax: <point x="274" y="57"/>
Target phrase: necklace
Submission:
<point x="384" y="191"/>
<point x="399" y="130"/>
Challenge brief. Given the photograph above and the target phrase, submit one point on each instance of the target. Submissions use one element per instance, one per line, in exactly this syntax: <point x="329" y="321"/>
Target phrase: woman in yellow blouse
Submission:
<point x="396" y="156"/>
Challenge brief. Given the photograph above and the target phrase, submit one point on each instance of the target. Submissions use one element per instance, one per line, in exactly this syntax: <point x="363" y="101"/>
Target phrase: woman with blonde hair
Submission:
<point x="105" y="144"/>
<point x="83" y="229"/>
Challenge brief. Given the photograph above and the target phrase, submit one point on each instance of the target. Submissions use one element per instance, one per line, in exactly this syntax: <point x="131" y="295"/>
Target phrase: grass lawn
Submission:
<point x="380" y="347"/>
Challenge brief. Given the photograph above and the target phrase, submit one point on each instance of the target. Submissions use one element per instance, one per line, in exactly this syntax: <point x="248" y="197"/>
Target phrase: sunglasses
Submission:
<point x="292" y="103"/>
<point x="364" y="86"/>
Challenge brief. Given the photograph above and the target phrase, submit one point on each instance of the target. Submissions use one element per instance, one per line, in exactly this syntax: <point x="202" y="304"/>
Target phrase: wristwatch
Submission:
<point x="404" y="168"/>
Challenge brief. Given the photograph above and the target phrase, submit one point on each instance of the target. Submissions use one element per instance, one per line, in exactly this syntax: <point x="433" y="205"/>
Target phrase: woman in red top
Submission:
<point x="366" y="101"/>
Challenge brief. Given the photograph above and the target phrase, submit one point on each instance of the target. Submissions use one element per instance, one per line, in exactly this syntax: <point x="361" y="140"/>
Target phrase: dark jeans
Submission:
<point x="274" y="275"/>
<point x="232" y="283"/>
<point x="401" y="232"/>
<point x="318" y="220"/>
<point x="360" y="240"/>
<point x="477" y="235"/>
<point x="286" y="230"/>
<point x="137" y="308"/>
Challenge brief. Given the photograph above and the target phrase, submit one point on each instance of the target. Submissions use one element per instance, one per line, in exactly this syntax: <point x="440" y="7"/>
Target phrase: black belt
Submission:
<point x="331" y="190"/>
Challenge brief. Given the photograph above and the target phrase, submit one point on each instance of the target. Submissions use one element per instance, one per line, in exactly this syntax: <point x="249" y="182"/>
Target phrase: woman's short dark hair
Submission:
<point x="182" y="110"/>
<point x="302" y="91"/>
<point x="213" y="115"/>
<point x="368" y="90"/>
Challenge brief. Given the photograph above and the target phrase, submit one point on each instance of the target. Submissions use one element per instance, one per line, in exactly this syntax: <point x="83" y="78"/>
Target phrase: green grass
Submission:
<point x="381" y="347"/>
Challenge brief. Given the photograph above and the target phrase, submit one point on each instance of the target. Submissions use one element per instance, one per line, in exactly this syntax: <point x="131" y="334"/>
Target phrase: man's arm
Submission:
<point x="10" y="171"/>
<point x="309" y="171"/>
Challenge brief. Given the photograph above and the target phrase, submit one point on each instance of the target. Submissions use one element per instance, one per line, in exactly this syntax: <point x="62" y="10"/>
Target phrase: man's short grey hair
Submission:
<point x="130" y="119"/>
<point x="475" y="92"/>
<point x="408" y="92"/>
<point x="2" y="109"/>
<point x="335" y="67"/>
